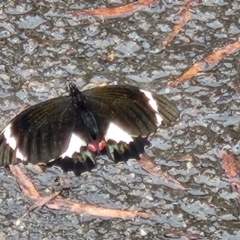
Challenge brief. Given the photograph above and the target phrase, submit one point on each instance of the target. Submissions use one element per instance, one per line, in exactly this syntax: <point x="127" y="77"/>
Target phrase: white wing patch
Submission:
<point x="117" y="134"/>
<point x="20" y="156"/>
<point x="153" y="105"/>
<point x="74" y="145"/>
<point x="159" y="119"/>
<point x="11" y="141"/>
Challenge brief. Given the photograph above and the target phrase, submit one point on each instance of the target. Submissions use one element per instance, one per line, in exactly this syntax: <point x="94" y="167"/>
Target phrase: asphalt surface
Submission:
<point x="41" y="49"/>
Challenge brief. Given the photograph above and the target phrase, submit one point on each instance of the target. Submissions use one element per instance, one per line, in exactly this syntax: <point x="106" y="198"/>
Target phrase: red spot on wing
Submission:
<point x="94" y="147"/>
<point x="102" y="145"/>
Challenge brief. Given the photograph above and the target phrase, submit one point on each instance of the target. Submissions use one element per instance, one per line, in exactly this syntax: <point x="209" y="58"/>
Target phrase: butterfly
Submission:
<point x="72" y="131"/>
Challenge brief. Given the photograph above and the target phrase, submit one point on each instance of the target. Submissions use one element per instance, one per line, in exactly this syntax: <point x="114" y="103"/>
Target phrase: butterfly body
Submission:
<point x="71" y="131"/>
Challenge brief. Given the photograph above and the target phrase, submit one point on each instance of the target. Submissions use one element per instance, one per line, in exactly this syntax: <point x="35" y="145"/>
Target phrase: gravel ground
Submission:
<point x="42" y="48"/>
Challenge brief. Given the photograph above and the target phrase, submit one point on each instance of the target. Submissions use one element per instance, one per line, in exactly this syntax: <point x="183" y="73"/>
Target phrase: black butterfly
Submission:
<point x="70" y="131"/>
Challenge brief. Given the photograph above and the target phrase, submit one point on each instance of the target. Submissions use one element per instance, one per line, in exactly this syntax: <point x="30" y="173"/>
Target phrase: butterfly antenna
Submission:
<point x="70" y="86"/>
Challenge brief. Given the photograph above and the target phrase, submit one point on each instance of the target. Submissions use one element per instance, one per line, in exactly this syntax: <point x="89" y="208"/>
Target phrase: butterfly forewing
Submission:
<point x="130" y="116"/>
<point x="129" y="108"/>
<point x="43" y="132"/>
